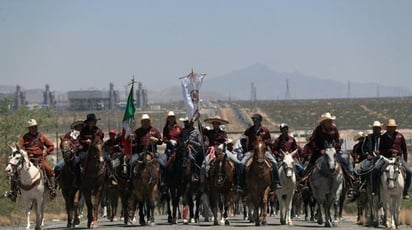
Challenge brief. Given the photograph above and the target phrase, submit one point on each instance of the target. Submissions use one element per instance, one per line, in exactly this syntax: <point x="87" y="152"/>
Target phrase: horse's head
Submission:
<point x="288" y="164"/>
<point x="17" y="160"/>
<point x="330" y="156"/>
<point x="97" y="149"/>
<point x="391" y="171"/>
<point x="259" y="151"/>
<point x="66" y="149"/>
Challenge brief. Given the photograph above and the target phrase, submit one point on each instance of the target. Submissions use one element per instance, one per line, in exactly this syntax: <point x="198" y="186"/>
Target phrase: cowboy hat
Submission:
<point x="76" y="123"/>
<point x="376" y="124"/>
<point x="31" y="123"/>
<point x="171" y="114"/>
<point x="91" y="117"/>
<point x="283" y="125"/>
<point x="145" y="116"/>
<point x="391" y="123"/>
<point x="216" y="119"/>
<point x="184" y="119"/>
<point x="358" y="136"/>
<point x="326" y="116"/>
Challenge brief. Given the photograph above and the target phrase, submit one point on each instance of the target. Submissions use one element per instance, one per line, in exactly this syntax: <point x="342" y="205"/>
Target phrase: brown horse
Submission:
<point x="258" y="181"/>
<point x="93" y="180"/>
<point x="178" y="178"/>
<point x="146" y="178"/>
<point x="219" y="188"/>
<point x="70" y="193"/>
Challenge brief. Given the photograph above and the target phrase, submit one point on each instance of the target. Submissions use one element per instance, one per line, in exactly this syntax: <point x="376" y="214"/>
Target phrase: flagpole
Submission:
<point x="131" y="123"/>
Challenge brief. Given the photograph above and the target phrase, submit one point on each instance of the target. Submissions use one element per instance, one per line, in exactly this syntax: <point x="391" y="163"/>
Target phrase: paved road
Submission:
<point x="236" y="222"/>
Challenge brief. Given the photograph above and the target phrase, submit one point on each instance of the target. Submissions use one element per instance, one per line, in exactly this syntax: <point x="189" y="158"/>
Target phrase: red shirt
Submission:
<point x="396" y="142"/>
<point x="286" y="144"/>
<point x="142" y="140"/>
<point x="215" y="137"/>
<point x="172" y="134"/>
<point x="321" y="135"/>
<point x="252" y="132"/>
<point x="35" y="144"/>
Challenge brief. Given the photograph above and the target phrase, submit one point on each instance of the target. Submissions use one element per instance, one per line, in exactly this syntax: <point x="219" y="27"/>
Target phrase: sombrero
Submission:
<point x="391" y="123"/>
<point x="216" y="119"/>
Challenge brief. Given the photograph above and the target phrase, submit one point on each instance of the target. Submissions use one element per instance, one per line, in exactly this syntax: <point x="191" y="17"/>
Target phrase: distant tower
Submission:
<point x="19" y="98"/>
<point x="112" y="96"/>
<point x="253" y="93"/>
<point x="349" y="95"/>
<point x="377" y="91"/>
<point x="287" y="93"/>
<point x="141" y="96"/>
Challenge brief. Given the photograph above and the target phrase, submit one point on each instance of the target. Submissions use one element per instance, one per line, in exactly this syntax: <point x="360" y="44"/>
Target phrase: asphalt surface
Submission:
<point x="235" y="222"/>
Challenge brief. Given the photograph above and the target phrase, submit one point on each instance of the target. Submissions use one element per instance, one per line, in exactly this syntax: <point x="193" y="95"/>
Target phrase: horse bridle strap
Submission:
<point x="28" y="187"/>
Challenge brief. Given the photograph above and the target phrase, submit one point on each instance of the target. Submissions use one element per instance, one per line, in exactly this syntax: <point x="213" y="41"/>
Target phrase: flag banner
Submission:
<point x="190" y="88"/>
<point x="127" y="120"/>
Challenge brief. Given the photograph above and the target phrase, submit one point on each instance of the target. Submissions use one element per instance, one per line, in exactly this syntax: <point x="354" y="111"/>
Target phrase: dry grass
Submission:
<point x="19" y="219"/>
<point x="405" y="217"/>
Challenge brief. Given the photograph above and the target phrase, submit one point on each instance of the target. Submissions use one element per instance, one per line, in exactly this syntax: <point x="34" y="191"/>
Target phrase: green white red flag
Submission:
<point x="127" y="120"/>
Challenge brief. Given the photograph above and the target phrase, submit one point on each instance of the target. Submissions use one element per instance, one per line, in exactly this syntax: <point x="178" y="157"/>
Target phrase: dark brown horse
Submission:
<point x="219" y="188"/>
<point x="70" y="193"/>
<point x="121" y="171"/>
<point x="258" y="181"/>
<point x="178" y="178"/>
<point x="93" y="180"/>
<point x="146" y="178"/>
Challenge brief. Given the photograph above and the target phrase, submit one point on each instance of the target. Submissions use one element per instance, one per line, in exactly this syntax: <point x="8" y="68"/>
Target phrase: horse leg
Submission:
<point x="69" y="208"/>
<point x="326" y="208"/>
<point x="319" y="213"/>
<point x="89" y="205"/>
<point x="75" y="201"/>
<point x="142" y="221"/>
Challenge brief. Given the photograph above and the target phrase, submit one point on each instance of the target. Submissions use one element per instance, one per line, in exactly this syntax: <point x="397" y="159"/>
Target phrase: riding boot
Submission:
<point x="405" y="194"/>
<point x="52" y="187"/>
<point x="12" y="194"/>
<point x="240" y="177"/>
<point x="276" y="179"/>
<point x="375" y="181"/>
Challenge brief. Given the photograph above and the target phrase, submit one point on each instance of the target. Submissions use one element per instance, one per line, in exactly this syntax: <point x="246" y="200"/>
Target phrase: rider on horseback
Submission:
<point x="392" y="143"/>
<point x="35" y="143"/>
<point x="87" y="134"/>
<point x="216" y="137"/>
<point x="257" y="129"/>
<point x="327" y="132"/>
<point x="287" y="143"/>
<point x="145" y="139"/>
<point x="358" y="154"/>
<point x="112" y="146"/>
<point x="73" y="136"/>
<point x="191" y="136"/>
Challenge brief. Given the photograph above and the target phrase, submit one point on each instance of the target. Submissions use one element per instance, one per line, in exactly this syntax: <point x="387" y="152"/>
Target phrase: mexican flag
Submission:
<point x="191" y="93"/>
<point x="127" y="120"/>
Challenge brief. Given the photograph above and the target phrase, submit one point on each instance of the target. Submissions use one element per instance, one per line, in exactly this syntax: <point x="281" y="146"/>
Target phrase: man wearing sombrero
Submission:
<point x="215" y="135"/>
<point x="357" y="151"/>
<point x="392" y="143"/>
<point x="327" y="132"/>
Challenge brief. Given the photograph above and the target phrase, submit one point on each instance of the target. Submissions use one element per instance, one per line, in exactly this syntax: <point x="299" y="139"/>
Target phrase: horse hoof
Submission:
<point x="169" y="220"/>
<point x="185" y="221"/>
<point x="215" y="222"/>
<point x="290" y="223"/>
<point x="257" y="223"/>
<point x="193" y="221"/>
<point x="328" y="224"/>
<point x="264" y="222"/>
<point x="320" y="221"/>
<point x="37" y="228"/>
<point x="174" y="221"/>
<point x="227" y="223"/>
<point x="283" y="222"/>
<point x="76" y="221"/>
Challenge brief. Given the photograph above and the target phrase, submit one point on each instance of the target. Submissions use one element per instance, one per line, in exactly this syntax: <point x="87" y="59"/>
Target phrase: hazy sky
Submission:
<point x="87" y="44"/>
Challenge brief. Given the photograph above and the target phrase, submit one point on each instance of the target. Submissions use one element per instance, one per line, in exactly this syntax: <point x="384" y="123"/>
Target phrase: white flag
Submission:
<point x="190" y="88"/>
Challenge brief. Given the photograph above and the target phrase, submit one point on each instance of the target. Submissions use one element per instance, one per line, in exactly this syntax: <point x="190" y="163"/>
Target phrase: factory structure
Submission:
<point x="74" y="100"/>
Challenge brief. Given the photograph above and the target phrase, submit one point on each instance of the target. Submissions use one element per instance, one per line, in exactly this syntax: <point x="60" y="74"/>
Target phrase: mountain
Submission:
<point x="271" y="85"/>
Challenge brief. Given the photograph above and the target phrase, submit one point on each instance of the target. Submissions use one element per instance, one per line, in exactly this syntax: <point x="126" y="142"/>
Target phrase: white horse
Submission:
<point x="391" y="188"/>
<point x="288" y="181"/>
<point x="30" y="182"/>
<point x="326" y="183"/>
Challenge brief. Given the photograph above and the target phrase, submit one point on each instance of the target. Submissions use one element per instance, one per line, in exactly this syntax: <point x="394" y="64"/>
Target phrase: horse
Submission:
<point x="391" y="187"/>
<point x="288" y="181"/>
<point x="146" y="178"/>
<point x="195" y="192"/>
<point x="219" y="186"/>
<point x="178" y="177"/>
<point x="258" y="181"/>
<point x="30" y="181"/>
<point x="113" y="192"/>
<point x="70" y="193"/>
<point x="93" y="180"/>
<point x="326" y="183"/>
